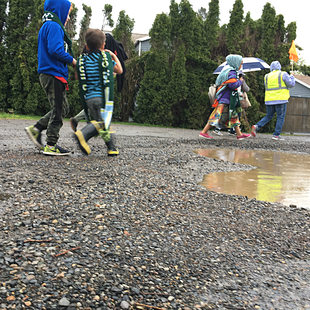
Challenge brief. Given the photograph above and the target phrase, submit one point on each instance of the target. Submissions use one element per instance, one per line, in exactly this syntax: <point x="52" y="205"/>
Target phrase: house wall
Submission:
<point x="300" y="90"/>
<point x="297" y="117"/>
<point x="143" y="46"/>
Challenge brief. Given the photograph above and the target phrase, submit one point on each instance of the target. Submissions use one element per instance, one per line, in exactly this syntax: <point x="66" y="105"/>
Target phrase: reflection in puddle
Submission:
<point x="279" y="177"/>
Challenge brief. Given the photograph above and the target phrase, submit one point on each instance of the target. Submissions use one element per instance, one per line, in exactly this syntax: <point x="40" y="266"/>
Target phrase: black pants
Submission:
<point x="53" y="120"/>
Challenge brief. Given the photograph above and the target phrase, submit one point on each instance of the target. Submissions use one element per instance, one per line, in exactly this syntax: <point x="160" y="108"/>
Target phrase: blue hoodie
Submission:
<point x="52" y="57"/>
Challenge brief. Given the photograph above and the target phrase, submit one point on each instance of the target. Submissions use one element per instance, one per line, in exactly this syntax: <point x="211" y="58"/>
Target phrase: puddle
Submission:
<point x="279" y="177"/>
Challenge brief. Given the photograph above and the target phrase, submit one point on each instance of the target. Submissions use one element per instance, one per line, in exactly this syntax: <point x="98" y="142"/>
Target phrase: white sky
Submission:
<point x="144" y="13"/>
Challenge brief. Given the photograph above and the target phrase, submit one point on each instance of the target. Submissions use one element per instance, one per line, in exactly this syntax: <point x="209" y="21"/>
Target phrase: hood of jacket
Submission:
<point x="59" y="7"/>
<point x="275" y="65"/>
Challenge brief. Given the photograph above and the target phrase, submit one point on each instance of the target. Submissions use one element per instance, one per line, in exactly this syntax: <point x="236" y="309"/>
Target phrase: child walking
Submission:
<point x="53" y="74"/>
<point x="95" y="70"/>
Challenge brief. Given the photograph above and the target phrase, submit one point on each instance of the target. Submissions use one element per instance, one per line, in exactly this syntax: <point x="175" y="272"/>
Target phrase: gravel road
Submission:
<point x="138" y="232"/>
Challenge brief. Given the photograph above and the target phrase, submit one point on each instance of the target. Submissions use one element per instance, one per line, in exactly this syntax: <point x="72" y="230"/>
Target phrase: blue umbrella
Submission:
<point x="249" y="64"/>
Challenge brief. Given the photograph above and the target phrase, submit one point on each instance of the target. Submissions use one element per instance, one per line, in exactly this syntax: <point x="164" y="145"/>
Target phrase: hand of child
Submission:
<point x="74" y="62"/>
<point x="118" y="69"/>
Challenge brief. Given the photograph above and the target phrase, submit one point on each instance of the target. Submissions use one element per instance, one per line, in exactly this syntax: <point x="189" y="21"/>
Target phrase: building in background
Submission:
<point x="297" y="119"/>
<point x="142" y="43"/>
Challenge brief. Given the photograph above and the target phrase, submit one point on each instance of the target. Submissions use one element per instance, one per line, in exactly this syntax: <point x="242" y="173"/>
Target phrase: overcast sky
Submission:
<point x="144" y="13"/>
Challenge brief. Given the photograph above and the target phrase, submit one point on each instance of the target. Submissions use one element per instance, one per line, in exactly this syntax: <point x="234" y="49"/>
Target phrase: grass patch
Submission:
<point x="16" y="116"/>
<point x="139" y="124"/>
<point x="35" y="117"/>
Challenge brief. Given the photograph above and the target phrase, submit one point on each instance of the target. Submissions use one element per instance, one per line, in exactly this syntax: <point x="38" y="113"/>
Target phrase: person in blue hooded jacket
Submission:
<point x="277" y="84"/>
<point x="53" y="58"/>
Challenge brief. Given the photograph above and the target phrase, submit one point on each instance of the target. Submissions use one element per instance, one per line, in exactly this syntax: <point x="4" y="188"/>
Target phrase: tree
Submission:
<point x="291" y="32"/>
<point x="182" y="101"/>
<point x="211" y="26"/>
<point x="235" y="28"/>
<point x="184" y="28"/>
<point x="3" y="17"/>
<point x="174" y="19"/>
<point x="3" y="79"/>
<point x="250" y="42"/>
<point x="178" y="87"/>
<point x="123" y="31"/>
<point x="268" y="33"/>
<point x="152" y="106"/>
<point x="20" y="40"/>
<point x="36" y="102"/>
<point x="71" y="25"/>
<point x="127" y="99"/>
<point x="202" y="13"/>
<point x="160" y="33"/>
<point x="85" y="22"/>
<point x="107" y="16"/>
<point x="281" y="46"/>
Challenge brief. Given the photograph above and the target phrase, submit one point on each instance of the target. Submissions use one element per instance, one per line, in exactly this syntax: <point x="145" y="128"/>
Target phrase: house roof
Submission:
<point x="144" y="38"/>
<point x="139" y="37"/>
<point x="303" y="80"/>
<point x="147" y="38"/>
<point x="135" y="37"/>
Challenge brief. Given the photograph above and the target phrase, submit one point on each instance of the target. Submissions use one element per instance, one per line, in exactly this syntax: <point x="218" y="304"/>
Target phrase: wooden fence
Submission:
<point x="297" y="117"/>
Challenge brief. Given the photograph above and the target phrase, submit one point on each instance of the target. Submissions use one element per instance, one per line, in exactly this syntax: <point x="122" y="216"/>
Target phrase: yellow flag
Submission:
<point x="293" y="52"/>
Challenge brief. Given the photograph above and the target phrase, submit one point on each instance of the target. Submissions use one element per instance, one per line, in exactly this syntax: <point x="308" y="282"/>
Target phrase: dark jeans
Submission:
<point x="280" y="109"/>
<point x="94" y="106"/>
<point x="53" y="120"/>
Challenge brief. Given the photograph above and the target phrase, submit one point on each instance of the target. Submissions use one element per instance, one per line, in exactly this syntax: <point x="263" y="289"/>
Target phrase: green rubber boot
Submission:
<point x="83" y="135"/>
<point x="112" y="150"/>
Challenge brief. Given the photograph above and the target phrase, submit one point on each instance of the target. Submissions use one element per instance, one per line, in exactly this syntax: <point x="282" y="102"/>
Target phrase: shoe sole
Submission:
<point x="243" y="138"/>
<point x="113" y="153"/>
<point x="55" y="154"/>
<point x="35" y="142"/>
<point x="205" y="137"/>
<point x="79" y="138"/>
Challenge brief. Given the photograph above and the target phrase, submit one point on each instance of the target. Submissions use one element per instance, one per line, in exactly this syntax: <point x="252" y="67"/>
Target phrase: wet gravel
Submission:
<point x="138" y="232"/>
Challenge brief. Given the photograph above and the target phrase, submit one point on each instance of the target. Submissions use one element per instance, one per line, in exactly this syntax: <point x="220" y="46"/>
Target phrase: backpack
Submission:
<point x="211" y="93"/>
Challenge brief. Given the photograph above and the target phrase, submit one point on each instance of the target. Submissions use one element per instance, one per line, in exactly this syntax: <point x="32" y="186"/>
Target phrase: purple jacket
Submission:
<point x="225" y="96"/>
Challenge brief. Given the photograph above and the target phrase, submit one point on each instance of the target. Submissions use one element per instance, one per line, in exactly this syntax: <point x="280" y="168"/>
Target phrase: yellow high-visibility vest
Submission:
<point x="275" y="88"/>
